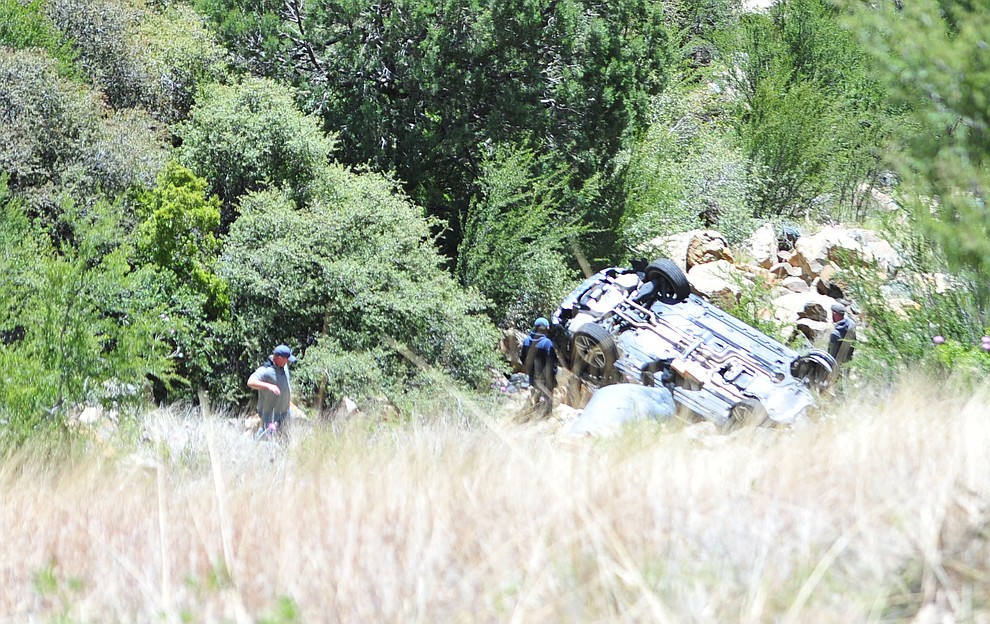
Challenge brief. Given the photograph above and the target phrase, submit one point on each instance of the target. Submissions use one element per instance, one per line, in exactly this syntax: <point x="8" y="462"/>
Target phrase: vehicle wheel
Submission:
<point x="814" y="369"/>
<point x="747" y="413"/>
<point x="594" y="354"/>
<point x="671" y="284"/>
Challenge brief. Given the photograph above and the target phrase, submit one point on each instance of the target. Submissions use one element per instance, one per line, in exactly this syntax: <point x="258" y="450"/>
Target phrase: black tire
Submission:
<point x="815" y="369"/>
<point x="672" y="285"/>
<point x="593" y="354"/>
<point x="746" y="413"/>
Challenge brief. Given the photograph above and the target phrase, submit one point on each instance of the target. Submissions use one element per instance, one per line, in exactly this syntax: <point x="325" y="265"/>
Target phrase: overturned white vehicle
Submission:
<point x="643" y="325"/>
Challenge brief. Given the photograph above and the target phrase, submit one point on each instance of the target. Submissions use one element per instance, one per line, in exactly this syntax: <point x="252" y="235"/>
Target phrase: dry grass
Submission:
<point x="878" y="514"/>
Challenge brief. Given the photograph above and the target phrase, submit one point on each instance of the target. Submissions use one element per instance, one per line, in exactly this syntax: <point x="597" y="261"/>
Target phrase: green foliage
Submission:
<point x="813" y="118"/>
<point x="517" y="237"/>
<point x="99" y="32"/>
<point x="250" y="136"/>
<point x="933" y="57"/>
<point x="75" y="325"/>
<point x="25" y="25"/>
<point x="177" y="233"/>
<point x="125" y="153"/>
<point x="138" y="56"/>
<point x="332" y="372"/>
<point x="904" y="315"/>
<point x="177" y="55"/>
<point x="175" y="239"/>
<point x="55" y="140"/>
<point x="415" y="87"/>
<point x="686" y="172"/>
<point x="46" y="118"/>
<point x="358" y="267"/>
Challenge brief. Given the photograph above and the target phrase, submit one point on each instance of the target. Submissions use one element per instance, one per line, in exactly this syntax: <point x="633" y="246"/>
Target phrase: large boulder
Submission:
<point x="875" y="199"/>
<point x="510" y="346"/>
<point x="842" y="247"/>
<point x="762" y="246"/>
<point x="674" y="246"/>
<point x="795" y="306"/>
<point x="707" y="246"/>
<point x="613" y="406"/>
<point x="720" y="282"/>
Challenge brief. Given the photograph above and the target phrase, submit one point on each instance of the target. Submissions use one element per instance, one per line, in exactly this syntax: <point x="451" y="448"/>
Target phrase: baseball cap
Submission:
<point x="284" y="351"/>
<point x="838" y="308"/>
<point x="541" y="322"/>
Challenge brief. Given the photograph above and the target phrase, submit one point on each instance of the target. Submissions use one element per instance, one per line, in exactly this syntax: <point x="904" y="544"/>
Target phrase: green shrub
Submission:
<point x="56" y="142"/>
<point x="99" y="33"/>
<point x="25" y="25"/>
<point x="932" y="303"/>
<point x="517" y="237"/>
<point x="331" y="372"/>
<point x="140" y="57"/>
<point x="812" y="118"/>
<point x="75" y="327"/>
<point x="177" y="54"/>
<point x="47" y="118"/>
<point x="686" y="173"/>
<point x="932" y="56"/>
<point x="357" y="267"/>
<point x="249" y="137"/>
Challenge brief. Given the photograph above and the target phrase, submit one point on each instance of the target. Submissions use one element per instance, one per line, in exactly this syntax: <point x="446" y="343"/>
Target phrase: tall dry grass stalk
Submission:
<point x="877" y="514"/>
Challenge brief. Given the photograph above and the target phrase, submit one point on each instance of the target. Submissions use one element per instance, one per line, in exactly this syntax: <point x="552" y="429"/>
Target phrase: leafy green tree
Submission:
<point x="177" y="54"/>
<point x="175" y="238"/>
<point x="355" y="268"/>
<point x="25" y="25"/>
<point x="139" y="56"/>
<point x="415" y="88"/>
<point x="98" y="31"/>
<point x="687" y="171"/>
<point x="74" y="326"/>
<point x="56" y="140"/>
<point x="813" y="118"/>
<point x="177" y="233"/>
<point x="46" y="118"/>
<point x="933" y="57"/>
<point x="518" y="236"/>
<point x="250" y="136"/>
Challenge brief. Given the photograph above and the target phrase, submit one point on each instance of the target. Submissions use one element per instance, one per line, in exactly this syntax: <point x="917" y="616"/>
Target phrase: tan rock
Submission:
<point x="795" y="284"/>
<point x="903" y="307"/>
<point x="673" y="246"/>
<point x="720" y="282"/>
<point x="783" y="270"/>
<point x="762" y="246"/>
<point x="707" y="246"/>
<point x="793" y="306"/>
<point x="815" y="331"/>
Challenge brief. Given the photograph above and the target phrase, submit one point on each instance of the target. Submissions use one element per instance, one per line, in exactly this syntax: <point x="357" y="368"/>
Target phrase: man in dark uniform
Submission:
<point x="841" y="343"/>
<point x="540" y="362"/>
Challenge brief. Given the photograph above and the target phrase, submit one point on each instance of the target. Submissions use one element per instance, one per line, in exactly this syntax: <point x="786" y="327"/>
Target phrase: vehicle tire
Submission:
<point x="672" y="285"/>
<point x="746" y="413"/>
<point x="594" y="354"/>
<point x="815" y="369"/>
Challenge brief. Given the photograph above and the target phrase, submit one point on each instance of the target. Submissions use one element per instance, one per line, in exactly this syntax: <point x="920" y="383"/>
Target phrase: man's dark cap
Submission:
<point x="838" y="308"/>
<point x="285" y="352"/>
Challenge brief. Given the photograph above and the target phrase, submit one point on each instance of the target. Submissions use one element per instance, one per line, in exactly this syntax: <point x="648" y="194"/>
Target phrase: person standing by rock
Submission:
<point x="841" y="343"/>
<point x="271" y="380"/>
<point x="540" y="363"/>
